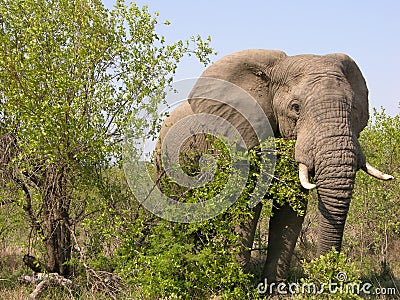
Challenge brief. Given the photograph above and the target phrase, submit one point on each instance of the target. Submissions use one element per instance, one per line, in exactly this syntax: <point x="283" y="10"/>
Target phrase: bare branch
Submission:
<point x="28" y="204"/>
<point x="44" y="281"/>
<point x="108" y="282"/>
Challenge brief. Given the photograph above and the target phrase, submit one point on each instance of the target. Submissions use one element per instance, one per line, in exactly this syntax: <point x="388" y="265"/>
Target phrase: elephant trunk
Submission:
<point x="335" y="170"/>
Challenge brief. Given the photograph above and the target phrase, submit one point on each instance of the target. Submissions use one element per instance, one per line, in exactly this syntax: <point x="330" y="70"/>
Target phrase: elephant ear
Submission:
<point x="359" y="113"/>
<point x="240" y="76"/>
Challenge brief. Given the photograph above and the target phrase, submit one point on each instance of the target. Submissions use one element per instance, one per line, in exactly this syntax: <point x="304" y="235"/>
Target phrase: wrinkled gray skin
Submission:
<point x="322" y="102"/>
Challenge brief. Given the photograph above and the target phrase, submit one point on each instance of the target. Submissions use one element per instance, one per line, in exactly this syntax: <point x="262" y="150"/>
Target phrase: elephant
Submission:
<point x="321" y="101"/>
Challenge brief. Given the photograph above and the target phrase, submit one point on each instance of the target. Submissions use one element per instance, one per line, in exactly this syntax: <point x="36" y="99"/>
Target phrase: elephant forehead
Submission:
<point x="305" y="65"/>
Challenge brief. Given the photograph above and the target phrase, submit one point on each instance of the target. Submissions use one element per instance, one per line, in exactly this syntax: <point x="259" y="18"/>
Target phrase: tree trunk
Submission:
<point x="57" y="227"/>
<point x="58" y="246"/>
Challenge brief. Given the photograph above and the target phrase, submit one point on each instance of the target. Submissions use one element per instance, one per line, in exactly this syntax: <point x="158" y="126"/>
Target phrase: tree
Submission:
<point x="72" y="74"/>
<point x="373" y="226"/>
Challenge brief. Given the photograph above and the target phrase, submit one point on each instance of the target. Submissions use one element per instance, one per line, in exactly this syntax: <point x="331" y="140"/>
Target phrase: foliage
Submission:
<point x="72" y="74"/>
<point x="334" y="276"/>
<point x="286" y="187"/>
<point x="374" y="210"/>
<point x="198" y="260"/>
<point x="190" y="261"/>
<point x="195" y="260"/>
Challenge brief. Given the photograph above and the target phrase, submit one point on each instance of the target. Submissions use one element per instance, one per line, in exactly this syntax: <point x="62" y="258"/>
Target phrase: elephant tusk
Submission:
<point x="303" y="176"/>
<point x="376" y="173"/>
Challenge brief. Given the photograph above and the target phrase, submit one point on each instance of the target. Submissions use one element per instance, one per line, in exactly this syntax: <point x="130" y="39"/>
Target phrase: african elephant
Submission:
<point x="322" y="102"/>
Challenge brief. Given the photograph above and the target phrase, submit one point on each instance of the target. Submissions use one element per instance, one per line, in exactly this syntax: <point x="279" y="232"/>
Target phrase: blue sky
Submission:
<point x="368" y="31"/>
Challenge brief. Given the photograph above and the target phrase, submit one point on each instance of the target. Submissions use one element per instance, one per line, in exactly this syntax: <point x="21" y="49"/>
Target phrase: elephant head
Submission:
<point x="322" y="102"/>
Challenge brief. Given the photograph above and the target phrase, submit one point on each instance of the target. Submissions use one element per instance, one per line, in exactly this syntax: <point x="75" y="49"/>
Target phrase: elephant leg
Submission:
<point x="246" y="232"/>
<point x="284" y="229"/>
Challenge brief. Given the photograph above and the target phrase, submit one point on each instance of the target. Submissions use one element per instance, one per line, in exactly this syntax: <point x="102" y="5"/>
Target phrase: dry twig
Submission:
<point x="104" y="281"/>
<point x="44" y="281"/>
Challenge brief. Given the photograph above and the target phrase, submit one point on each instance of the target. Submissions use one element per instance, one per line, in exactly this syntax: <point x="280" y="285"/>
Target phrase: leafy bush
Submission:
<point x="195" y="260"/>
<point x="181" y="259"/>
<point x="198" y="260"/>
<point x="334" y="276"/>
<point x="286" y="187"/>
<point x="373" y="226"/>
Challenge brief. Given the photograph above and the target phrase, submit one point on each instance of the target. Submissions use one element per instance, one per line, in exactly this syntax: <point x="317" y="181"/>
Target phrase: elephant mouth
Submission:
<point x="368" y="168"/>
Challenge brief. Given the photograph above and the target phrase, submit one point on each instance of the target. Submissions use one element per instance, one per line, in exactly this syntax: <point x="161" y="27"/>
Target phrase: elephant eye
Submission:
<point x="296" y="107"/>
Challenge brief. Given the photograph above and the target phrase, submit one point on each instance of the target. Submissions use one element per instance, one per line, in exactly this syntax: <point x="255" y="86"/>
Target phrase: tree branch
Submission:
<point x="28" y="205"/>
<point x="45" y="281"/>
<point x="108" y="282"/>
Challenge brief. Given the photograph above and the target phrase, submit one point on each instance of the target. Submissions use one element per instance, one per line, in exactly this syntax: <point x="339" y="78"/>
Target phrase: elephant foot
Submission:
<point x="284" y="229"/>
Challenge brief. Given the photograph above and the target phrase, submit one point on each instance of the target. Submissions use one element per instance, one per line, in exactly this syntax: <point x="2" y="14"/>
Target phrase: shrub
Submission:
<point x="333" y="275"/>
